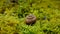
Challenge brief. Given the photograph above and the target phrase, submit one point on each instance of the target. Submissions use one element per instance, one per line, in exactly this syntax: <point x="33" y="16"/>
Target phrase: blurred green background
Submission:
<point x="13" y="13"/>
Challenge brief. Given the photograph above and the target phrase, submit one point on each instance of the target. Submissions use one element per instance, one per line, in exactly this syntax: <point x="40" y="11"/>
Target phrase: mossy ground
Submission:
<point x="12" y="17"/>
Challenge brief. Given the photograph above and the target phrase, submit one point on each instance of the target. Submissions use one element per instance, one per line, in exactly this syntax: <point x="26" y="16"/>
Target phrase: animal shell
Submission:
<point x="30" y="19"/>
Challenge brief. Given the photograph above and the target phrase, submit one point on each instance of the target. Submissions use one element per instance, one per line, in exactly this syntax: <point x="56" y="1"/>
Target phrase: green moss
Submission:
<point x="12" y="17"/>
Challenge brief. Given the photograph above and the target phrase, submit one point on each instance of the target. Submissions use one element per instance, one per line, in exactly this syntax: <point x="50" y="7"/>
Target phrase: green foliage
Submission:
<point x="12" y="17"/>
